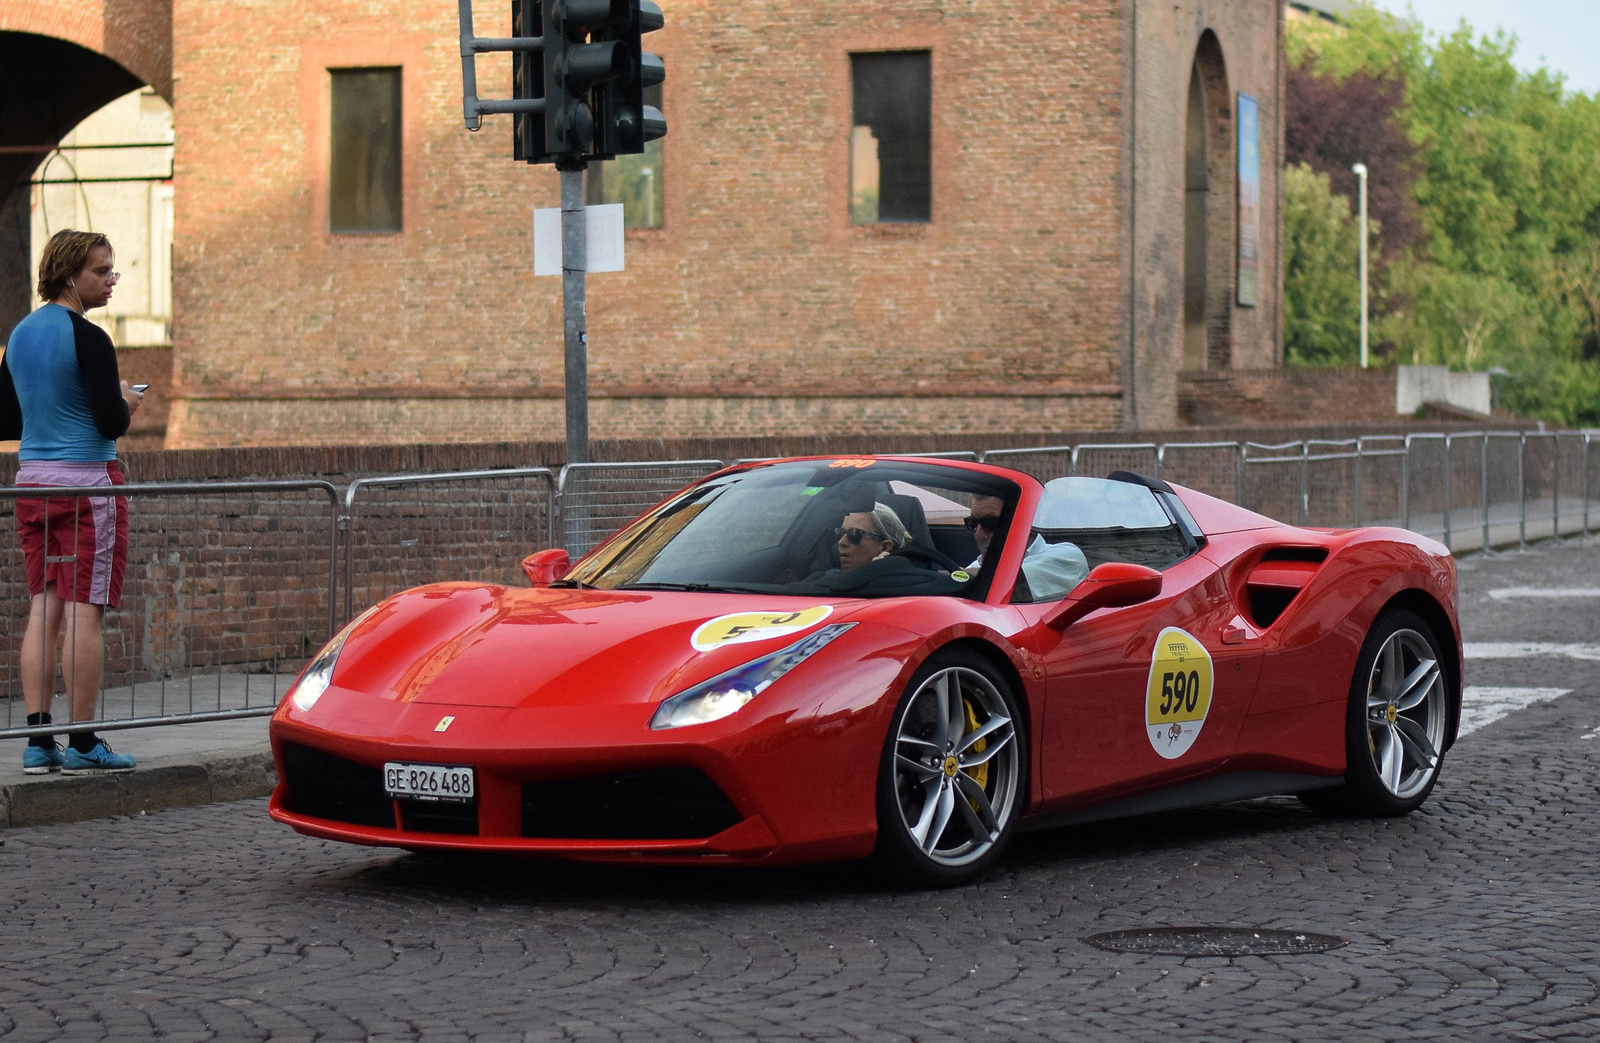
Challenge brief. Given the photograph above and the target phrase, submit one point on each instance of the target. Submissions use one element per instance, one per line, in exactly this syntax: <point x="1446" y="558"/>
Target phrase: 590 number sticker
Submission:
<point x="742" y="627"/>
<point x="1178" y="695"/>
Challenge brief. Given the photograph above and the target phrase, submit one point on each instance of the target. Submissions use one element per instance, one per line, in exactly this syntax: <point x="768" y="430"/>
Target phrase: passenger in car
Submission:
<point x="1053" y="569"/>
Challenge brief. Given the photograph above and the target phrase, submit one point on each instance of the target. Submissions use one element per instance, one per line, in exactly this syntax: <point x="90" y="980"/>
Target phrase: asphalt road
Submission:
<point x="1476" y="918"/>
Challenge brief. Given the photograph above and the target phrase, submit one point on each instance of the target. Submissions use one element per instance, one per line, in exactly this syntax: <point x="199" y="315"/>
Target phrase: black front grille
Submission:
<point x="652" y="804"/>
<point x="437" y="816"/>
<point x="322" y="785"/>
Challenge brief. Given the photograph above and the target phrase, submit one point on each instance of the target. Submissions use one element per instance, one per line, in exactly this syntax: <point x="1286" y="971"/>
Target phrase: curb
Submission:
<point x="54" y="799"/>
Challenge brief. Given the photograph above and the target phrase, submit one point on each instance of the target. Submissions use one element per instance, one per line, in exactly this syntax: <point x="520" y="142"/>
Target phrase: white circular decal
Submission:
<point x="1179" y="692"/>
<point x="742" y="627"/>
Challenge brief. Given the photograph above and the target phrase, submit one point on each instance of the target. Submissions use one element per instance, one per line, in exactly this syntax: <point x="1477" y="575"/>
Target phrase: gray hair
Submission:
<point x="890" y="525"/>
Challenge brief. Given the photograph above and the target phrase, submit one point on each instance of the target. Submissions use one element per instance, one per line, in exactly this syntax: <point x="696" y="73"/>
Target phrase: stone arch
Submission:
<point x="60" y="60"/>
<point x="1209" y="217"/>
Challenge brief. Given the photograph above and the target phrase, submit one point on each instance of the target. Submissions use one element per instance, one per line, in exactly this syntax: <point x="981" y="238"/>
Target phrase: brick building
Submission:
<point x="912" y="216"/>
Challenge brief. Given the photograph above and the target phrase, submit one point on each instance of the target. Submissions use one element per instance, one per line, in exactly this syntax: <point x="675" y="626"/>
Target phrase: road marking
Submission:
<point x="1529" y="650"/>
<point x="1590" y="735"/>
<point x="1481" y="706"/>
<point x="1502" y="593"/>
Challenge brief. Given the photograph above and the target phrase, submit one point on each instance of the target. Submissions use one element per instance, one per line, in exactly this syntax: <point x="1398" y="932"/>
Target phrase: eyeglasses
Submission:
<point x="987" y="521"/>
<point x="855" y="536"/>
<point x="105" y="274"/>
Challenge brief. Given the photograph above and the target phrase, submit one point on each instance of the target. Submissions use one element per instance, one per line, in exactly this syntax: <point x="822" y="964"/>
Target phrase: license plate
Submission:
<point x="429" y="781"/>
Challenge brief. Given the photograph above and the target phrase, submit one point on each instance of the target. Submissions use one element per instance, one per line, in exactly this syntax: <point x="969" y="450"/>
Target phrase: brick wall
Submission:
<point x="1277" y="397"/>
<point x="151" y="366"/>
<point x="757" y="308"/>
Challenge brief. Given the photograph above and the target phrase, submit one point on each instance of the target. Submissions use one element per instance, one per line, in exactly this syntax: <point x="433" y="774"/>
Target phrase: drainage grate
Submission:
<point x="1214" y="941"/>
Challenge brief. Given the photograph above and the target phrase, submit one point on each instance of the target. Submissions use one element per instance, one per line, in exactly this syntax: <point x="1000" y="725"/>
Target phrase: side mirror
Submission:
<point x="1112" y="585"/>
<point x="546" y="566"/>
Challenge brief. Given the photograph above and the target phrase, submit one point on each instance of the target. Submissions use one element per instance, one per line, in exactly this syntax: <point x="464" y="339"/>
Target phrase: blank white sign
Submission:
<point x="603" y="243"/>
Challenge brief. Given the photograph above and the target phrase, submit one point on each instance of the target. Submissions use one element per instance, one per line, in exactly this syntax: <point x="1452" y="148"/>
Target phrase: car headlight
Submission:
<point x="729" y="691"/>
<point x="319" y="674"/>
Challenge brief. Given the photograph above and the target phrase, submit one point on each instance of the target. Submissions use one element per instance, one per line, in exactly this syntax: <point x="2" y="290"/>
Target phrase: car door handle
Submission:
<point x="1235" y="634"/>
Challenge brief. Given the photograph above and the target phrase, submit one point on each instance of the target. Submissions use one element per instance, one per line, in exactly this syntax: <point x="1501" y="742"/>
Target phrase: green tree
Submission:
<point x="1321" y="286"/>
<point x="1507" y="270"/>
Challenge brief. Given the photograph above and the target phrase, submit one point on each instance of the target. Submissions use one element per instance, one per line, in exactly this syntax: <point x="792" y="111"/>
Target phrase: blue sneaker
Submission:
<point x="41" y="760"/>
<point x="97" y="761"/>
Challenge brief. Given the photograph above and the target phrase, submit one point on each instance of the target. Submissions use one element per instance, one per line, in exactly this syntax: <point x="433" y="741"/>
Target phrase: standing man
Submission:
<point x="61" y="394"/>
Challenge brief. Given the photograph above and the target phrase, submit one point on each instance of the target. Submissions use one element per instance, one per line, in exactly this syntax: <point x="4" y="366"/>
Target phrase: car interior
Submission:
<point x="747" y="532"/>
<point x="1124" y="517"/>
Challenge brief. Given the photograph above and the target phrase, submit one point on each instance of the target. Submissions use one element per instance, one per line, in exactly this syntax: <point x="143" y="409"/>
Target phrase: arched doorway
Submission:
<point x="60" y="60"/>
<point x="1208" y="215"/>
<point x="47" y="86"/>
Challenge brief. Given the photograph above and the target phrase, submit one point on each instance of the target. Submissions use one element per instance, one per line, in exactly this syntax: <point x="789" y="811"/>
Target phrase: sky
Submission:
<point x="1561" y="34"/>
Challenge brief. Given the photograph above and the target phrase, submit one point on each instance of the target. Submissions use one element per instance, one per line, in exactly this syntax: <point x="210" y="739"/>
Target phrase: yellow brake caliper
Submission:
<point x="980" y="774"/>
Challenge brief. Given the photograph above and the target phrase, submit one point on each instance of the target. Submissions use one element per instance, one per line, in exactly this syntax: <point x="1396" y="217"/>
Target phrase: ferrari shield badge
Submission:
<point x="742" y="627"/>
<point x="1178" y="695"/>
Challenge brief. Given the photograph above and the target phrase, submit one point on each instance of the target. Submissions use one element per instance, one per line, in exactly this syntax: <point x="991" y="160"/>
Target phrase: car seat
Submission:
<point x="912" y="516"/>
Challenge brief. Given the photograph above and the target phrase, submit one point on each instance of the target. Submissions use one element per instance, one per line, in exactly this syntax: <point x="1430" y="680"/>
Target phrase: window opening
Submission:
<point x="364" y="146"/>
<point x="890" y="137"/>
<point x="637" y="182"/>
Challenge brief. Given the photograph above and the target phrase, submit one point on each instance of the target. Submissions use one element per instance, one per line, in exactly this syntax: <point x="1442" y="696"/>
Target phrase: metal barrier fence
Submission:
<point x="232" y="585"/>
<point x="1470" y="490"/>
<point x="598" y="499"/>
<point x="229" y="588"/>
<point x="407" y="530"/>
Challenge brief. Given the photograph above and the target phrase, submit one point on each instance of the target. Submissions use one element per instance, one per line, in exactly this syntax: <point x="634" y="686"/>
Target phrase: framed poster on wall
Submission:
<point x="1249" y="262"/>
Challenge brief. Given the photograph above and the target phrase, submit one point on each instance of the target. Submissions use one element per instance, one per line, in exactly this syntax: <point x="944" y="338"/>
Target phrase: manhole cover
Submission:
<point x="1214" y="941"/>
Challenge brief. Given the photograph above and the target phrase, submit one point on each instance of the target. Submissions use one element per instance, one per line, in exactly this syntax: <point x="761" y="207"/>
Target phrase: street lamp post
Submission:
<point x="1361" y="176"/>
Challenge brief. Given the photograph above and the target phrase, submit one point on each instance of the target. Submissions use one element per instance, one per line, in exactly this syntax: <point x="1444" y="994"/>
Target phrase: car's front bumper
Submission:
<point x="784" y="785"/>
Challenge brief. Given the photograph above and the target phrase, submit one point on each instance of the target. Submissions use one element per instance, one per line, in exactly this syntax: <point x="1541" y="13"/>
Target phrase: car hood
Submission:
<point x="479" y="645"/>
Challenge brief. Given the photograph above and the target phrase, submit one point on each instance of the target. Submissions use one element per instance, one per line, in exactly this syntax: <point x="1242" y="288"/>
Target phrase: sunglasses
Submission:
<point x="855" y="536"/>
<point x="988" y="521"/>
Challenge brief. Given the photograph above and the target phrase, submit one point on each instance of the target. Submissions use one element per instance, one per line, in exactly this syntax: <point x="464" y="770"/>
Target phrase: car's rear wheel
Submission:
<point x="951" y="781"/>
<point x="1396" y="724"/>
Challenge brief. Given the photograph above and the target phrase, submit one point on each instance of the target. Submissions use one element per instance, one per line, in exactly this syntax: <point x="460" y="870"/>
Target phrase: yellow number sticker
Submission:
<point x="1178" y="695"/>
<point x="742" y="627"/>
<point x="853" y="463"/>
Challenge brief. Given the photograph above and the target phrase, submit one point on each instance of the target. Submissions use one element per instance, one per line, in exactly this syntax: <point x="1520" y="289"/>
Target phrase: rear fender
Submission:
<point x="1311" y="649"/>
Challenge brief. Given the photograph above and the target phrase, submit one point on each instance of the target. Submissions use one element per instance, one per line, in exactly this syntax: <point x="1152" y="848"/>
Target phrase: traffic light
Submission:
<point x="527" y="81"/>
<point x="574" y="65"/>
<point x="623" y="122"/>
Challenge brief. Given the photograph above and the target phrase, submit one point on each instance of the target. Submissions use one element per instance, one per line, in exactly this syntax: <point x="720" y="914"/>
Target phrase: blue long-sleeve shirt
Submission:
<point x="60" y="391"/>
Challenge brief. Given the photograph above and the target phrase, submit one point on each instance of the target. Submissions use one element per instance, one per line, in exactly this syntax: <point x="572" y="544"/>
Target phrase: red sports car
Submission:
<point x="884" y="657"/>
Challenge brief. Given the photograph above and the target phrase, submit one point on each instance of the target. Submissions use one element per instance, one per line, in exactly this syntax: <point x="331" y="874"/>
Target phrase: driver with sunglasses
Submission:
<point x="875" y="561"/>
<point x="869" y="535"/>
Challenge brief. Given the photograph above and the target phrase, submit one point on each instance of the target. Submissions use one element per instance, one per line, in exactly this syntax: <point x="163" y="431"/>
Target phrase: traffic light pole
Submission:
<point x="574" y="265"/>
<point x="581" y="98"/>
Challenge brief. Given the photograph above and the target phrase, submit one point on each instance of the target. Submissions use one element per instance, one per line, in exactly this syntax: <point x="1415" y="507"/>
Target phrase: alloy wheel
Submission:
<point x="1405" y="714"/>
<point x="956" y="766"/>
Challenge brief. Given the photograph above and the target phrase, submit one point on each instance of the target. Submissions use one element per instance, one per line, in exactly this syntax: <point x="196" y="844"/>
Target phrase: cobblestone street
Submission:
<point x="1476" y="918"/>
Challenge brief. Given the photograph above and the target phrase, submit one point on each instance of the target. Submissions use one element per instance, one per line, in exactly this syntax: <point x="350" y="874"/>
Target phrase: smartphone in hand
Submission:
<point x="141" y="388"/>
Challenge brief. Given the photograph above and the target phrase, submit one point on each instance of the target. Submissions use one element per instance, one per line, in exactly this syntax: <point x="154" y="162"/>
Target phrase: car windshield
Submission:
<point x="854" y="527"/>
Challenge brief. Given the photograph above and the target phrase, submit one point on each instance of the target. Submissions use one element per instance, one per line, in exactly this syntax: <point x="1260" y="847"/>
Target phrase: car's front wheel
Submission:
<point x="1396" y="723"/>
<point x="951" y="781"/>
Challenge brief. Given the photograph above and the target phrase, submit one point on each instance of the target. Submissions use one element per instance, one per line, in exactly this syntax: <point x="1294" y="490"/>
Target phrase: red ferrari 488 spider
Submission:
<point x="895" y="658"/>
